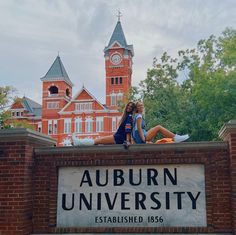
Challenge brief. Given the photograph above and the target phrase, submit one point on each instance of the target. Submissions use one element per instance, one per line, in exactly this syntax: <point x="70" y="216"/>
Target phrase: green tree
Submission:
<point x="211" y="85"/>
<point x="205" y="100"/>
<point x="21" y="124"/>
<point x="6" y="98"/>
<point x="161" y="93"/>
<point x="133" y="95"/>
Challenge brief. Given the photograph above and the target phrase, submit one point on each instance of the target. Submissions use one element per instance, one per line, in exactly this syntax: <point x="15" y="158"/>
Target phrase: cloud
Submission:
<point x="32" y="33"/>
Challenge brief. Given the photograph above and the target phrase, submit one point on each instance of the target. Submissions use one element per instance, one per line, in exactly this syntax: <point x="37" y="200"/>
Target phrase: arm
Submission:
<point x="128" y="128"/>
<point x="140" y="131"/>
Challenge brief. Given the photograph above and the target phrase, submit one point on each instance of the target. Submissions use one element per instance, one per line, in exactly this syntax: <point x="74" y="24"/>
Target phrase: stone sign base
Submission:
<point x="43" y="188"/>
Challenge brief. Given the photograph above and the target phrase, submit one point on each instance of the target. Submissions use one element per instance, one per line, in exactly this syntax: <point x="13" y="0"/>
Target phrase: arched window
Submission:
<point x="99" y="124"/>
<point x="119" y="96"/>
<point x="67" y="125"/>
<point x="78" y="125"/>
<point x="53" y="90"/>
<point x="113" y="99"/>
<point x="68" y="92"/>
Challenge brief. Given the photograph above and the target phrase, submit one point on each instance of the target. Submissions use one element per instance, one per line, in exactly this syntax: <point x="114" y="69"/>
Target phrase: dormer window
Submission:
<point x="53" y="90"/>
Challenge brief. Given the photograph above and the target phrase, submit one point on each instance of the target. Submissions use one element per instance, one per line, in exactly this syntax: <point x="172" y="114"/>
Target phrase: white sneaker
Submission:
<point x="86" y="142"/>
<point x="81" y="142"/>
<point x="180" y="138"/>
<point x="75" y="140"/>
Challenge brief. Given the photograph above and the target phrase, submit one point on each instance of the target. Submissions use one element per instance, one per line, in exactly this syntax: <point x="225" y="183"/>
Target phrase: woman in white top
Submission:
<point x="140" y="135"/>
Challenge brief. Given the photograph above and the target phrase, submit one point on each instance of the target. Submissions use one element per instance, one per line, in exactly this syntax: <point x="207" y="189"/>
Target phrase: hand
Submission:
<point x="126" y="144"/>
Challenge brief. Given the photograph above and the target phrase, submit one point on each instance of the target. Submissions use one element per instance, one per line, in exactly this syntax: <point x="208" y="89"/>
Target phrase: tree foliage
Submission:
<point x="205" y="100"/>
<point x="6" y="98"/>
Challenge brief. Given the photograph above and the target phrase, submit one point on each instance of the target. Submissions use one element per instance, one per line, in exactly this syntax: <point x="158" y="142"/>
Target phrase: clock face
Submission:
<point x="116" y="59"/>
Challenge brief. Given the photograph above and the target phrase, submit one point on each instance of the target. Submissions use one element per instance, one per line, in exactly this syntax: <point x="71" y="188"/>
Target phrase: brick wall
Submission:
<point x="228" y="133"/>
<point x="29" y="175"/>
<point x="16" y="170"/>
<point x="214" y="155"/>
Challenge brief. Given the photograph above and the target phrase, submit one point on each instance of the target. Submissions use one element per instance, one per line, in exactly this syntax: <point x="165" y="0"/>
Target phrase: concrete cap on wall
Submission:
<point x="227" y="129"/>
<point x="21" y="134"/>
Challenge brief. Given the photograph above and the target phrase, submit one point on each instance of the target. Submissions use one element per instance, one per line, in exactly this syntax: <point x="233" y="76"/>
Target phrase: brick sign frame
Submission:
<point x="212" y="155"/>
<point x="29" y="179"/>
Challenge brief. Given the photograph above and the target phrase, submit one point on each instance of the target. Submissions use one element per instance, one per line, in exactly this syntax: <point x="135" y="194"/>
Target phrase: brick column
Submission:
<point x="228" y="133"/>
<point x="16" y="171"/>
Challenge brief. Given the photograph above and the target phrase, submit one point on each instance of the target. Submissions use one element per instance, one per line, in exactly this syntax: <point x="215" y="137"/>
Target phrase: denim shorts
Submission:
<point x="137" y="139"/>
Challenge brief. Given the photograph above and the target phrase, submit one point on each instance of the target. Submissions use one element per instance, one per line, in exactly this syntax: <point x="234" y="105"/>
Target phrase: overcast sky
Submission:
<point x="33" y="31"/>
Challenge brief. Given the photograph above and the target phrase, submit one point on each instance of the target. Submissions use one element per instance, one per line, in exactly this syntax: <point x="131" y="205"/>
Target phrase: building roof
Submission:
<point x="57" y="72"/>
<point x="90" y="97"/>
<point x="32" y="106"/>
<point x="29" y="105"/>
<point x="118" y="36"/>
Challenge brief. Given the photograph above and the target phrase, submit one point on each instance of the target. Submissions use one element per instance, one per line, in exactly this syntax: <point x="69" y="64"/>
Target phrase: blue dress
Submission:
<point x="136" y="137"/>
<point x="124" y="128"/>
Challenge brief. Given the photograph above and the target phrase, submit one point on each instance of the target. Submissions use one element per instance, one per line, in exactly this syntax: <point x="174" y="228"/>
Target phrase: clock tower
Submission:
<point x="118" y="64"/>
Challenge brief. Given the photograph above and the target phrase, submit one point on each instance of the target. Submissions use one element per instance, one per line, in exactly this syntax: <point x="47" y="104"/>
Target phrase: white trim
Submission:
<point x="82" y="101"/>
<point x="96" y="111"/>
<point x="112" y="45"/>
<point x="116" y="76"/>
<point x="79" y="117"/>
<point x="56" y="98"/>
<point x="57" y="79"/>
<point x="21" y="109"/>
<point x="55" y="94"/>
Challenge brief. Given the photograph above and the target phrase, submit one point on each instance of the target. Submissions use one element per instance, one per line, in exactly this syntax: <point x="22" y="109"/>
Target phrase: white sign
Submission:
<point x="132" y="196"/>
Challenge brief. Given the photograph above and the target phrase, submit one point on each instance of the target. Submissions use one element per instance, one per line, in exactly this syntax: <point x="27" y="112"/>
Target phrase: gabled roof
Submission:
<point x="90" y="97"/>
<point x="118" y="36"/>
<point x="29" y="105"/>
<point x="57" y="72"/>
<point x="32" y="106"/>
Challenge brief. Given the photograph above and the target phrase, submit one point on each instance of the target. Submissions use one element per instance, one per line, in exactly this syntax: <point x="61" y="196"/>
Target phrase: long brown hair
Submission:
<point x="125" y="113"/>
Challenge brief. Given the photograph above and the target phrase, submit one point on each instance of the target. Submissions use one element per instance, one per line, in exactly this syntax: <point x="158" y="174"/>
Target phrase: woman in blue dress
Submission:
<point x="141" y="136"/>
<point x="122" y="135"/>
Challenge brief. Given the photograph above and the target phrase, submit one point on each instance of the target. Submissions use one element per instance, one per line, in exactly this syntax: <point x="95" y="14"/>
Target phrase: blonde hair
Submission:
<point x="140" y="103"/>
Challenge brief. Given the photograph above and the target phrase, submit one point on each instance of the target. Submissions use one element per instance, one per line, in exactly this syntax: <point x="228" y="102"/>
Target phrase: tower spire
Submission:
<point x="119" y="15"/>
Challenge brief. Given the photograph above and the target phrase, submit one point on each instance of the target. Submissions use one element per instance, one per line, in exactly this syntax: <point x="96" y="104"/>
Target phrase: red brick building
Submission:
<point x="62" y="114"/>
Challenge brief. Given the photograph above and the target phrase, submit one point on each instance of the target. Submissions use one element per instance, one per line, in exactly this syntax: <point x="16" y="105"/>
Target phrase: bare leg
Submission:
<point x="105" y="140"/>
<point x="155" y="130"/>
